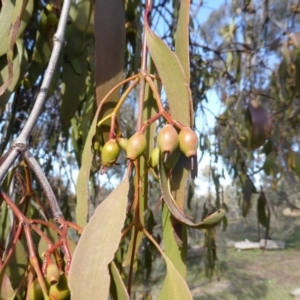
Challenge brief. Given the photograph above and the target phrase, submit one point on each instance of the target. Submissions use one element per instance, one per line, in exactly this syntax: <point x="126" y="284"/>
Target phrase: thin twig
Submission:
<point x="42" y="179"/>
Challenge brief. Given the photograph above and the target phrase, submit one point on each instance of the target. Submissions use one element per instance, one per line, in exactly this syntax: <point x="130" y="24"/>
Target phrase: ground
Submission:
<point x="251" y="274"/>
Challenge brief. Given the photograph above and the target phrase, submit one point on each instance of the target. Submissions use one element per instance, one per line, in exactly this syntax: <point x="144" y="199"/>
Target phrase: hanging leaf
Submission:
<point x="41" y="52"/>
<point x="182" y="38"/>
<point x="175" y="241"/>
<point x="17" y="265"/>
<point x="43" y="245"/>
<point x="9" y="11"/>
<point x="172" y="75"/>
<point x="263" y="211"/>
<point x="109" y="53"/>
<point x="174" y="233"/>
<point x="134" y="241"/>
<point x="85" y="17"/>
<point x="7" y="291"/>
<point x="117" y="288"/>
<point x="174" y="286"/>
<point x="209" y="222"/>
<point x="96" y="248"/>
<point x="14" y="28"/>
<point x="73" y="86"/>
<point x="261" y="125"/>
<point x="248" y="189"/>
<point x="294" y="162"/>
<point x="270" y="164"/>
<point x="84" y="175"/>
<point x="19" y="68"/>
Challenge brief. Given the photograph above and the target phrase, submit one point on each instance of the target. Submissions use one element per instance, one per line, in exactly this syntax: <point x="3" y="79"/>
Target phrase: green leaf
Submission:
<point x="174" y="286"/>
<point x="263" y="211"/>
<point x="270" y="163"/>
<point x="117" y="288"/>
<point x="182" y="38"/>
<point x="172" y="76"/>
<point x="85" y="16"/>
<point x="41" y="52"/>
<point x="43" y="245"/>
<point x="261" y="124"/>
<point x="7" y="291"/>
<point x="248" y="190"/>
<point x="9" y="13"/>
<point x="209" y="222"/>
<point x="175" y="241"/>
<point x="5" y="220"/>
<point x="19" y="69"/>
<point x="17" y="265"/>
<point x="174" y="233"/>
<point x="130" y="249"/>
<point x="73" y="86"/>
<point x="84" y="175"/>
<point x="295" y="162"/>
<point x="96" y="248"/>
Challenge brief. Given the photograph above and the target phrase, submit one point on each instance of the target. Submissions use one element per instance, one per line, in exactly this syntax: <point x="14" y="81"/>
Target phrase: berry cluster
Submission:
<point x="170" y="144"/>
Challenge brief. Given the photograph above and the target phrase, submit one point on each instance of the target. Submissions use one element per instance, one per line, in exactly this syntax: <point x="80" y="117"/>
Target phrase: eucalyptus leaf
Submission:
<point x="173" y="77"/>
<point x="17" y="265"/>
<point x="117" y="288"/>
<point x="96" y="248"/>
<point x="209" y="222"/>
<point x="109" y="54"/>
<point x="174" y="286"/>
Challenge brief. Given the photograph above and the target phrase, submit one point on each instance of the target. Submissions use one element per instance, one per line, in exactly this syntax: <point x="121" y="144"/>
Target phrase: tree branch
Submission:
<point x="41" y="98"/>
<point x="43" y="181"/>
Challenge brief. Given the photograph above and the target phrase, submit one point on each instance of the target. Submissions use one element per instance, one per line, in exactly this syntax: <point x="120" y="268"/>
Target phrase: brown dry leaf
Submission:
<point x="261" y="124"/>
<point x="109" y="53"/>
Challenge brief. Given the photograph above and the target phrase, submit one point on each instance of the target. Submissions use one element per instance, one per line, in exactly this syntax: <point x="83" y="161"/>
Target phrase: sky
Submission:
<point x="213" y="105"/>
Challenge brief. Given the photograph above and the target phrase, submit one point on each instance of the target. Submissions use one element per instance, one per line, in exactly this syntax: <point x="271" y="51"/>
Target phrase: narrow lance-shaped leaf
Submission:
<point x="150" y="109"/>
<point x="117" y="287"/>
<point x="261" y="124"/>
<point x="84" y="175"/>
<point x="172" y="75"/>
<point x="175" y="241"/>
<point x="17" y="265"/>
<point x="19" y="68"/>
<point x="16" y="17"/>
<point x="209" y="222"/>
<point x="9" y="11"/>
<point x="174" y="286"/>
<point x="248" y="189"/>
<point x="73" y="86"/>
<point x="182" y="38"/>
<point x="174" y="233"/>
<point x="7" y="291"/>
<point x="263" y="211"/>
<point x="109" y="53"/>
<point x="85" y="19"/>
<point x="89" y="275"/>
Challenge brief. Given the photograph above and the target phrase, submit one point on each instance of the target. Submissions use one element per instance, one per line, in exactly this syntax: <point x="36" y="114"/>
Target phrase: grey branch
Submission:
<point x="19" y="145"/>
<point x="59" y="42"/>
<point x="43" y="181"/>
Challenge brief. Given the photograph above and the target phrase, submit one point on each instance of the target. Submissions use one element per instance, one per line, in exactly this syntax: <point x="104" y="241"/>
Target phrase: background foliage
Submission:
<point x="242" y="66"/>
